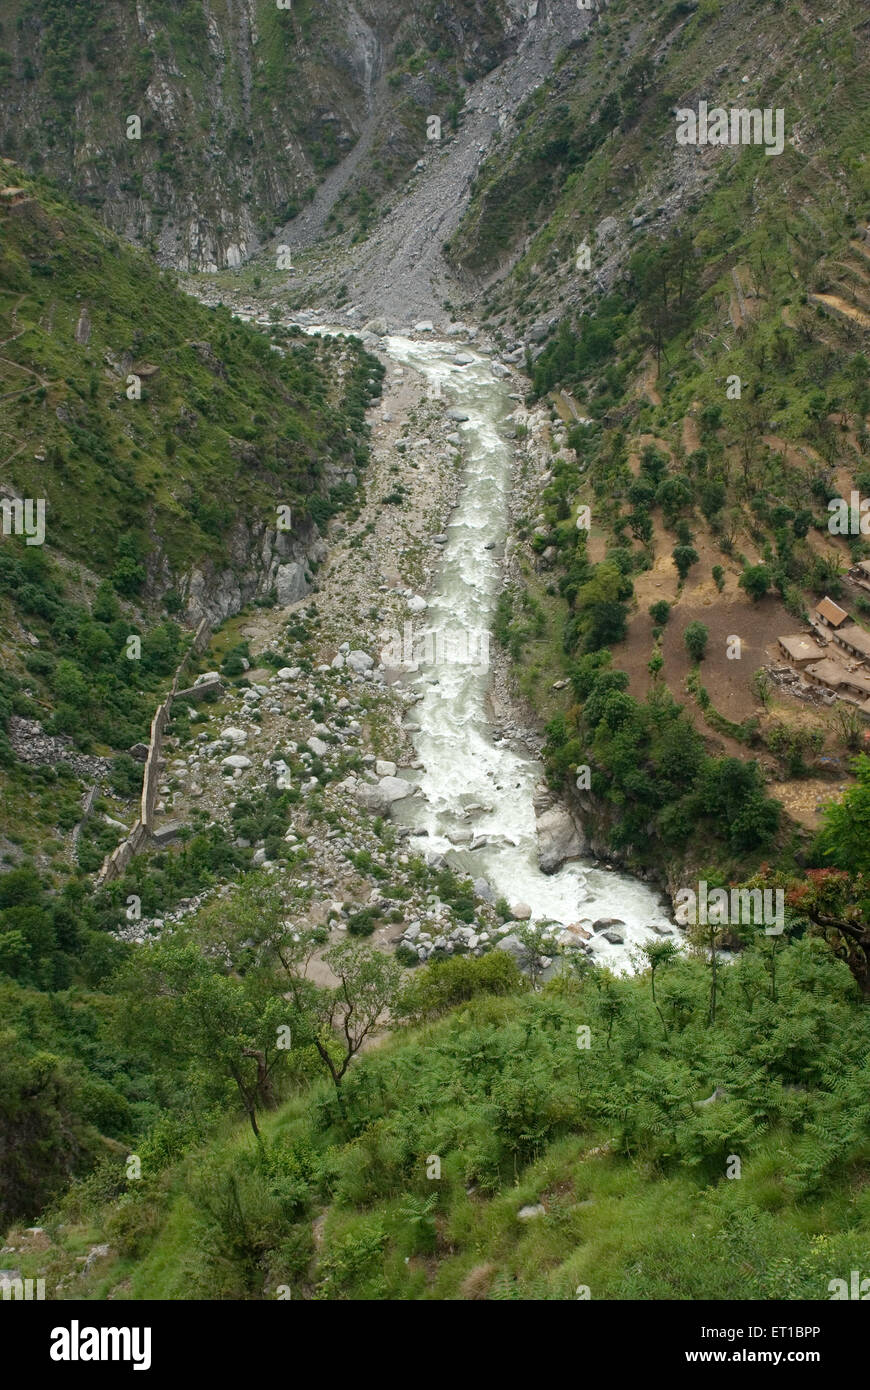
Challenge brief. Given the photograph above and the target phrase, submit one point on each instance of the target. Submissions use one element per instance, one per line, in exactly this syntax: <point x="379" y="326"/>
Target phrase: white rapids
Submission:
<point x="463" y="766"/>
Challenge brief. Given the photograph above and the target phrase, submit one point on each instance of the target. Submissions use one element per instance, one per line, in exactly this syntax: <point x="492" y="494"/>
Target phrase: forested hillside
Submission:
<point x="583" y="381"/>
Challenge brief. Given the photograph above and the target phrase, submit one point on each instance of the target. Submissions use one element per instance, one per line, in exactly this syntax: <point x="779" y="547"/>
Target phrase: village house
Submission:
<point x="799" y="649"/>
<point x="826" y="673"/>
<point x="830" y="614"/>
<point x="852" y="684"/>
<point x="854" y="640"/>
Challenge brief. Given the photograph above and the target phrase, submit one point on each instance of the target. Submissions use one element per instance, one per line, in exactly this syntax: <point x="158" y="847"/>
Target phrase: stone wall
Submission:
<point x="115" y="863"/>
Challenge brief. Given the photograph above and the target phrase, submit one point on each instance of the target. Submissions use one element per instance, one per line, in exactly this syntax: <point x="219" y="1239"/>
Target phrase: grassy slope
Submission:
<point x="225" y="430"/>
<point x="224" y="425"/>
<point x="631" y="1171"/>
<point x="138" y="492"/>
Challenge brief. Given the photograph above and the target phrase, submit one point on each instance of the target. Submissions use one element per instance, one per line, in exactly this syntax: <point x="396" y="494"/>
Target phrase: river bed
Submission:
<point x="471" y="782"/>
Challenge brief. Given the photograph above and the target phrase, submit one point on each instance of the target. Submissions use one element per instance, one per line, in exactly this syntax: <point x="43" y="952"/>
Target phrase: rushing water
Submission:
<point x="463" y="766"/>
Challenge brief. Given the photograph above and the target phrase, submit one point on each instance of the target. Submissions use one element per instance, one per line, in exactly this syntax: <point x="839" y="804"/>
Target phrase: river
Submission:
<point x="462" y="764"/>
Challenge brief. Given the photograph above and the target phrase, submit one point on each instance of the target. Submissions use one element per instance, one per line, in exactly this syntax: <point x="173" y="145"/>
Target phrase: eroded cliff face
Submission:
<point x="200" y="129"/>
<point x="261" y="562"/>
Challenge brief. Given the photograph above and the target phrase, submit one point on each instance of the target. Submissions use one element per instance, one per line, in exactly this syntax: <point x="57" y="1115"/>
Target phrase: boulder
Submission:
<point x="530" y="1213"/>
<point x="513" y="946"/>
<point x="384" y="768"/>
<point x="359" y="662"/>
<point x="604" y="923"/>
<point x="235" y="736"/>
<point x="521" y="912"/>
<point x="578" y="931"/>
<point x="291" y="583"/>
<point x="615" y="935"/>
<point x="317" y="746"/>
<point x="372" y="799"/>
<point x="237" y="761"/>
<point x="395" y="788"/>
<point x="559" y="839"/>
<point x="164" y="833"/>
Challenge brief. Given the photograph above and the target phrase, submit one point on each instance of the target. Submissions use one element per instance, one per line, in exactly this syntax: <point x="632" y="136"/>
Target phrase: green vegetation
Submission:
<point x="414" y="1174"/>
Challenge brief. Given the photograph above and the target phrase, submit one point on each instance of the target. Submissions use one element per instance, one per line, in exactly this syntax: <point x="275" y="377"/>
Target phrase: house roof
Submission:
<point x="829" y="672"/>
<point x="858" y="680"/>
<point x="831" y="612"/>
<point x="800" y="647"/>
<point x="856" y="637"/>
<point x="864" y="567"/>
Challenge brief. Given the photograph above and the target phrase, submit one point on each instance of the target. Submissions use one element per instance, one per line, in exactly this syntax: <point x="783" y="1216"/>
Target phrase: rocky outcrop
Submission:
<point x="261" y="560"/>
<point x="283" y="102"/>
<point x="560" y="838"/>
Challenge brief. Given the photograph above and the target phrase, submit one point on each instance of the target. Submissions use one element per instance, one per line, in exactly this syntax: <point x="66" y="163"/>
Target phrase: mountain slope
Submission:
<point x="243" y="106"/>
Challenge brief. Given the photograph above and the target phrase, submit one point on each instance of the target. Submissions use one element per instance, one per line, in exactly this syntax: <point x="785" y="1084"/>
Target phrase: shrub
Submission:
<point x="695" y="638"/>
<point x="443" y="984"/>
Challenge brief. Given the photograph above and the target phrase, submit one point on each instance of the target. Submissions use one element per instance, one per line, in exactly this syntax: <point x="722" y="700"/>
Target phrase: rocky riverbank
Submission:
<point x="323" y="713"/>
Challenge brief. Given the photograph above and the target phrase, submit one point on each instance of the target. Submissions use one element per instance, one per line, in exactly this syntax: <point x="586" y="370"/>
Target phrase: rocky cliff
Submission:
<point x="200" y="129"/>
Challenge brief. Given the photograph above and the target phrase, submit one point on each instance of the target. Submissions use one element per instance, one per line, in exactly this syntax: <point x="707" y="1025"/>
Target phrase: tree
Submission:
<point x="181" y="1007"/>
<point x="606" y="623"/>
<point x="755" y="580"/>
<point x="845" y="837"/>
<point x="763" y="686"/>
<point x="660" y="611"/>
<point x="838" y="903"/>
<point x="658" y="954"/>
<point x="849" y="724"/>
<point x="673" y="495"/>
<point x="718" y="577"/>
<point x="641" y="524"/>
<point x="337" y="1021"/>
<point x="665" y="283"/>
<point x="713" y="497"/>
<point x="695" y="638"/>
<point x="532" y="956"/>
<point x="684" y="556"/>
